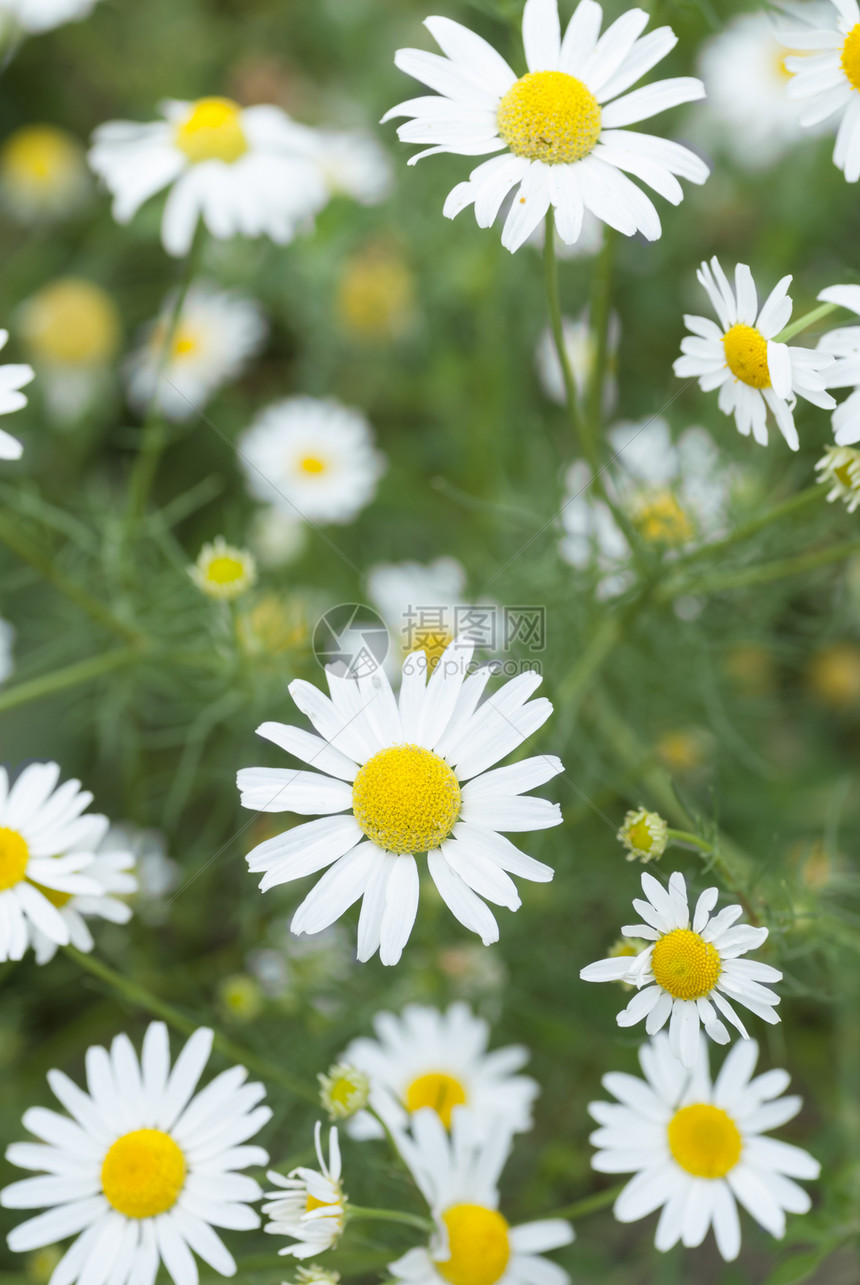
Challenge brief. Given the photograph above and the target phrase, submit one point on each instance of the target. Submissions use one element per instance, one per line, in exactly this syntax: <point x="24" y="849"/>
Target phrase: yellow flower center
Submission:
<point x="375" y="295"/>
<point x="312" y="464"/>
<point x="549" y="116"/>
<point x="212" y="132"/>
<point x="56" y="898"/>
<point x="478" y="1244"/>
<point x="184" y="343"/>
<point x="746" y="355"/>
<point x="225" y="570"/>
<point x="661" y="520"/>
<point x="38" y="154"/>
<point x="14" y="855"/>
<point x="143" y="1173"/>
<point x="437" y="1090"/>
<point x="313" y="1203"/>
<point x="704" y="1140"/>
<point x="73" y="322"/>
<point x="851" y="57"/>
<point x="685" y="965"/>
<point x="640" y="835"/>
<point x="406" y="799"/>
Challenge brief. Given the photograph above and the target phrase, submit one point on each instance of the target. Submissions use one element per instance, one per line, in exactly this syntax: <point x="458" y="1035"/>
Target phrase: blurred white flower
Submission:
<point x="43" y="174"/>
<point x="826" y="77"/>
<point x="246" y="171"/>
<point x="425" y="607"/>
<point x="276" y="537"/>
<point x="34" y="16"/>
<point x="215" y="337"/>
<point x="742" y="358"/>
<point x="312" y="459"/>
<point x="12" y="379"/>
<point x="843" y="346"/>
<point x="310" y="1204"/>
<point x="697" y="1149"/>
<point x="563" y="139"/>
<point x="353" y="164"/>
<point x="7" y="638"/>
<point x="581" y="349"/>
<point x="839" y="468"/>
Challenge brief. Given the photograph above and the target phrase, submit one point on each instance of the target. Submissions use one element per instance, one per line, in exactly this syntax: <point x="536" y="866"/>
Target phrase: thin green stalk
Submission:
<point x="590" y="1204"/>
<point x="600" y="312"/>
<point x="140" y="997"/>
<point x="579" y="425"/>
<point x="788" y="508"/>
<point x="762" y="574"/>
<point x="804" y="322"/>
<point x="19" y="543"/>
<point x="687" y="837"/>
<point x="357" y="1214"/>
<point x="69" y="676"/>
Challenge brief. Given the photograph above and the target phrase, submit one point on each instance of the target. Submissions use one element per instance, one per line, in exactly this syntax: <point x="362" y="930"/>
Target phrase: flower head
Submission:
<point x="839" y="468"/>
<point x="644" y="835"/>
<point x="825" y="78"/>
<point x="344" y="1090"/>
<point x="692" y="969"/>
<point x="843" y="346"/>
<point x="43" y="174"/>
<point x="698" y="1149"/>
<point x="222" y="571"/>
<point x="400" y="777"/>
<point x="147" y="1168"/>
<point x="561" y="128"/>
<point x="743" y="359"/>
<point x="310" y="1204"/>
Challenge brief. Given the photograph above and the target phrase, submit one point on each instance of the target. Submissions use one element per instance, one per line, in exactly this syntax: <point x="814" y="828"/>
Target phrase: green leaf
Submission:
<point x="796" y="1269"/>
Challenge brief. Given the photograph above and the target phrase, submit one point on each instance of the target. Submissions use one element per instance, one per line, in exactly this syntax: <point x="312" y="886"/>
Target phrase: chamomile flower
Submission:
<point x="353" y="164"/>
<point x="215" y="337"/>
<point x="344" y="1090"/>
<point x="644" y="835"/>
<point x="245" y="171"/>
<point x="401" y="776"/>
<point x="826" y="78"/>
<point x="144" y="1169"/>
<point x="425" y="608"/>
<point x="223" y="571"/>
<point x="71" y="330"/>
<point x="692" y="972"/>
<point x="561" y="126"/>
<point x="12" y="379"/>
<point x="843" y="346"/>
<point x="742" y="358"/>
<point x="473" y="1243"/>
<point x="43" y="174"/>
<point x="7" y="638"/>
<point x="310" y="1204"/>
<point x="699" y="1149"/>
<point x="113" y="871"/>
<point x="427" y="1058"/>
<point x="839" y="468"/>
<point x="581" y="348"/>
<point x="311" y="458"/>
<point x="35" y="16"/>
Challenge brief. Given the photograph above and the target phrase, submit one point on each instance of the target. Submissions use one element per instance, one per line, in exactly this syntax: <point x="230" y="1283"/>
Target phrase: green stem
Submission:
<point x="140" y="997"/>
<point x="19" y="543"/>
<point x="579" y="425"/>
<point x="599" y="317"/>
<point x="762" y="574"/>
<point x="356" y="1214"/>
<point x="590" y="1204"/>
<point x="70" y="676"/>
<point x="804" y="322"/>
<point x="686" y="836"/>
<point x="795" y="504"/>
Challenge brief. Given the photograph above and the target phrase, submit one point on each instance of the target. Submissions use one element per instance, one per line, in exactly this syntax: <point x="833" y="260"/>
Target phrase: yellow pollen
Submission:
<point x="143" y="1173"/>
<point x="704" y="1140"/>
<point x="661" y="520"/>
<point x="478" y="1244"/>
<point x="14" y="855"/>
<point x="851" y="57"/>
<point x="312" y="464"/>
<point x="406" y="799"/>
<point x="437" y="1090"/>
<point x="225" y="570"/>
<point x="549" y="116"/>
<point x="685" y="965"/>
<point x="73" y="322"/>
<point x="39" y="154"/>
<point x="746" y="355"/>
<point x="56" y="898"/>
<point x="184" y="343"/>
<point x="212" y="132"/>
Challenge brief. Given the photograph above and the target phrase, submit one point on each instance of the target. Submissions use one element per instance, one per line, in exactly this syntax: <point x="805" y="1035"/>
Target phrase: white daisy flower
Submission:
<point x="34" y="16"/>
<point x="473" y="1243"/>
<point x="826" y="78"/>
<point x="839" y="468"/>
<point x="246" y="171"/>
<point x="217" y="334"/>
<point x="843" y="347"/>
<point x="742" y="358"/>
<point x="46" y="849"/>
<point x="353" y="164"/>
<point x="310" y="1204"/>
<point x="7" y="638"/>
<point x="12" y="379"/>
<point x="313" y="458"/>
<point x="691" y="972"/>
<point x="113" y="870"/>
<point x="400" y="776"/>
<point x="427" y="1058"/>
<point x="223" y="571"/>
<point x="71" y="329"/>
<point x="581" y="348"/>
<point x="562" y="126"/>
<point x="43" y="174"/>
<point x="697" y="1149"/>
<point x="144" y="1169"/>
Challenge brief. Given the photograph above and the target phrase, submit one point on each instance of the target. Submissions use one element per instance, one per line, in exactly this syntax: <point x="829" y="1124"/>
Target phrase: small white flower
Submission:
<point x="644" y="835"/>
<point x="113" y="870"/>
<point x="691" y="971"/>
<point x="839" y="468"/>
<point x="826" y="78"/>
<point x="217" y="334"/>
<point x="742" y="358"/>
<point x="144" y="1169"/>
<point x="354" y="164"/>
<point x="7" y="638"/>
<point x="223" y="571"/>
<point x="561" y="127"/>
<point x="310" y="1204"/>
<point x="246" y="171"/>
<point x="311" y="458"/>
<point x="427" y="1058"/>
<point x="43" y="174"/>
<point x="473" y="1244"/>
<point x="34" y="16"/>
<point x="12" y="379"/>
<point x="581" y="349"/>
<point x="843" y="346"/>
<point x="401" y="776"/>
<point x="697" y="1149"/>
<point x="344" y="1090"/>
